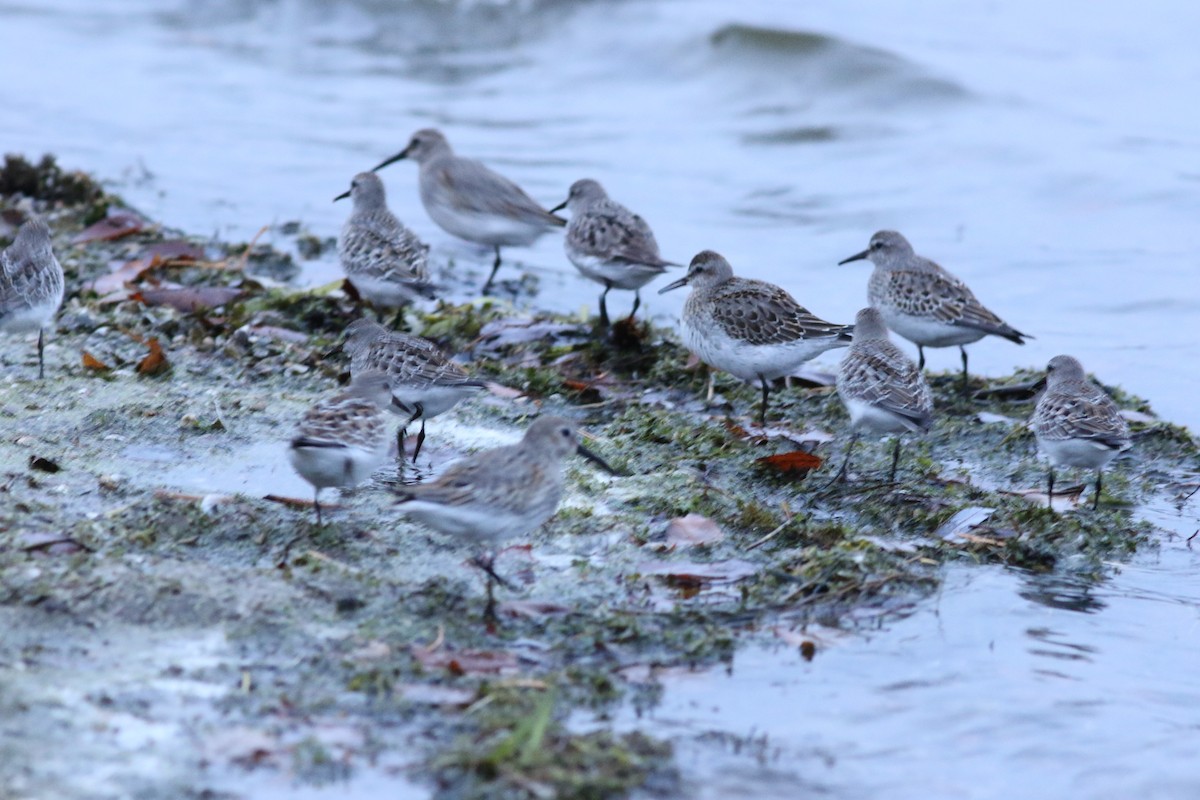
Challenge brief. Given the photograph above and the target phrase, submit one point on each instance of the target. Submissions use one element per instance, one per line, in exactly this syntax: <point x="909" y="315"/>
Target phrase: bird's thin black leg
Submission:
<point x="1050" y="490"/>
<point x="420" y="441"/>
<point x="963" y="350"/>
<point x="920" y="357"/>
<point x="495" y="266"/>
<point x="637" y="303"/>
<point x="895" y="460"/>
<point x="1096" y="499"/>
<point x="766" y="393"/>
<point x="317" y="504"/>
<point x="41" y="354"/>
<point x="604" y="306"/>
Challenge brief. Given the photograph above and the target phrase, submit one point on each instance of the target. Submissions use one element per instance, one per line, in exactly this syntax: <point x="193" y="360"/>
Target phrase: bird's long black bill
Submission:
<point x="674" y="285"/>
<point x="398" y="157"/>
<point x="590" y="456"/>
<point x="342" y="196"/>
<point x="559" y="207"/>
<point x="855" y="257"/>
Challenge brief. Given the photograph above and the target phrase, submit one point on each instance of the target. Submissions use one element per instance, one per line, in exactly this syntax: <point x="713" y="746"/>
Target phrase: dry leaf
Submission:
<point x="692" y="530"/>
<point x="963" y="522"/>
<point x="190" y="298"/>
<point x="506" y="392"/>
<point x="174" y="250"/>
<point x="694" y="572"/>
<point x="93" y="363"/>
<point x="117" y="224"/>
<point x="466" y="662"/>
<point x="155" y="362"/>
<point x="796" y="462"/>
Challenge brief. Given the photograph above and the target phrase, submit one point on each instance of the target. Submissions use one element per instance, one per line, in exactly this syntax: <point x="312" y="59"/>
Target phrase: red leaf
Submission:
<point x="796" y="462"/>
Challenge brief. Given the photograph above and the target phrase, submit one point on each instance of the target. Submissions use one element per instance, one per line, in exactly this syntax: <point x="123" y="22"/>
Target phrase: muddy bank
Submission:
<point x="175" y="625"/>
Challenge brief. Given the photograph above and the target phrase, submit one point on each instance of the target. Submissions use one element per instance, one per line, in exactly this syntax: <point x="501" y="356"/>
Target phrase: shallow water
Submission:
<point x="1046" y="155"/>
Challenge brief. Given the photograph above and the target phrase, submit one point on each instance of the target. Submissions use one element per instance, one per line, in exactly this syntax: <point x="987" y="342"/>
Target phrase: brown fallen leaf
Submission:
<point x="118" y="223"/>
<point x="174" y="250"/>
<point x="155" y="362"/>
<point x="692" y="530"/>
<point x="795" y="462"/>
<point x="126" y="273"/>
<point x="93" y="363"/>
<point x="695" y="572"/>
<point x="188" y="299"/>
<point x="465" y="662"/>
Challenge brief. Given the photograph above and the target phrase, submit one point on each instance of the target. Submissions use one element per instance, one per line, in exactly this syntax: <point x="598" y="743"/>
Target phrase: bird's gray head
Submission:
<point x="886" y="247"/>
<point x="33" y="236"/>
<point x="424" y="145"/>
<point x="373" y="386"/>
<point x="869" y="324"/>
<point x="558" y="437"/>
<point x="707" y="269"/>
<point x="360" y="334"/>
<point x="1062" y="369"/>
<point x="366" y="189"/>
<point x="583" y="192"/>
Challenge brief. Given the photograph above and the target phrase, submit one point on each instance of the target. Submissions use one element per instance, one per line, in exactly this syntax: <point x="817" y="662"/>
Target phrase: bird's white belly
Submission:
<point x="490" y="229"/>
<point x="434" y="400"/>
<point x="1076" y="453"/>
<point x="749" y="361"/>
<point x="929" y="332"/>
<point x="621" y="274"/>
<point x="337" y="466"/>
<point x="870" y="418"/>
<point x="29" y="318"/>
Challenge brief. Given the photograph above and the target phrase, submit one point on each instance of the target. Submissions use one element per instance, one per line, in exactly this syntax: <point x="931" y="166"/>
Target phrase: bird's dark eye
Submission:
<point x="876" y="245"/>
<point x="566" y="432"/>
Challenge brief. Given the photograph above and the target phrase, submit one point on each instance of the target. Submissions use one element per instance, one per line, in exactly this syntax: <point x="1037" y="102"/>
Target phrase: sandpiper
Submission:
<point x="384" y="260"/>
<point x="1076" y="423"/>
<point x="924" y="303"/>
<point x="343" y="439"/>
<point x="882" y="389"/>
<point x="31" y="284"/>
<point x="750" y="328"/>
<point x="471" y="201"/>
<point x="424" y="381"/>
<point x="499" y="494"/>
<point x="609" y="243"/>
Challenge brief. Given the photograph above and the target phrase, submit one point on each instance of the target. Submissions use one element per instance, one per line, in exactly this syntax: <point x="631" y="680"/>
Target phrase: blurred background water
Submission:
<point x="1046" y="153"/>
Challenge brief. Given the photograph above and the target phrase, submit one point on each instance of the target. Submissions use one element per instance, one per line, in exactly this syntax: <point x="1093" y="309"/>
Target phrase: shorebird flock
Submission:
<point x="749" y="328"/>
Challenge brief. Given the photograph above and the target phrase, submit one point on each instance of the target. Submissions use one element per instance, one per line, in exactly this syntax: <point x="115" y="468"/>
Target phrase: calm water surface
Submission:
<point x="1047" y="153"/>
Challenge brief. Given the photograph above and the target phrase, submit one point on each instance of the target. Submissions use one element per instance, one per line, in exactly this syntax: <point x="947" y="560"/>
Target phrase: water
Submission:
<point x="1047" y="154"/>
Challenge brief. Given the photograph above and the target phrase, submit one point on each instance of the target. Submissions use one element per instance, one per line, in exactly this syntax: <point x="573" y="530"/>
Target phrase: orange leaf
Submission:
<point x="797" y="462"/>
<point x="155" y="362"/>
<point x="91" y="362"/>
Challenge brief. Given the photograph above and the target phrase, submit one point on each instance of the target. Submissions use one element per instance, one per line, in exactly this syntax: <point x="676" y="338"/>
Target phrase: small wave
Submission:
<point x="821" y="63"/>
